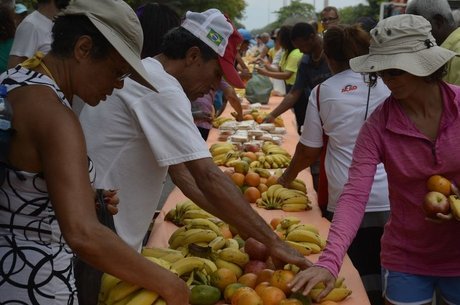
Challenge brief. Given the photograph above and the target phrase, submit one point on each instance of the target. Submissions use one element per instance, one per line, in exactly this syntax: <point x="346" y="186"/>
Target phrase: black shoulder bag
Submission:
<point x="87" y="278"/>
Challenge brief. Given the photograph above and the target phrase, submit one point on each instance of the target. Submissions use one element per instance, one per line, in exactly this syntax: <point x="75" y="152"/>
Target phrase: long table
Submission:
<point x="162" y="230"/>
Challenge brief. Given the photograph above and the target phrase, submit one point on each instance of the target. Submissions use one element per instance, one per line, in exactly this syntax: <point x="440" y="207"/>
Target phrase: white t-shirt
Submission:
<point x="33" y="34"/>
<point x="343" y="109"/>
<point x="133" y="137"/>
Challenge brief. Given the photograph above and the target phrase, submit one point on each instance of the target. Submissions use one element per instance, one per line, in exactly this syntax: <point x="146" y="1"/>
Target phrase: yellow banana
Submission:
<point x="296" y="200"/>
<point x="454" y="202"/>
<point x="202" y="223"/>
<point x="217" y="243"/>
<point x="108" y="281"/>
<point x="336" y="294"/>
<point x="298" y="184"/>
<point x="196" y="214"/>
<point x="172" y="257"/>
<point x="294" y="207"/>
<point x="304" y="250"/>
<point x="340" y="282"/>
<point x="234" y="256"/>
<point x="264" y="173"/>
<point x="187" y="264"/>
<point x="232" y="243"/>
<point x="121" y="291"/>
<point x="322" y="242"/>
<point x="222" y="149"/>
<point x="288" y="221"/>
<point x="209" y="265"/>
<point x="302" y="235"/>
<point x="303" y="226"/>
<point x="176" y="233"/>
<point x="158" y="252"/>
<point x="176" y="240"/>
<point x="160" y="301"/>
<point x="271" y="191"/>
<point x="220" y="263"/>
<point x="143" y="297"/>
<point x="159" y="261"/>
<point x="314" y="247"/>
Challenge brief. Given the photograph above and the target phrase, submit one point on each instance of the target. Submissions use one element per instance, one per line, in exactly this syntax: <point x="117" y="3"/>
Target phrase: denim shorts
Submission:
<point x="410" y="289"/>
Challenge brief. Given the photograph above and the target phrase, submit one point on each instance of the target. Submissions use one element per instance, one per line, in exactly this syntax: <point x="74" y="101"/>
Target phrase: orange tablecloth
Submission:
<point x="162" y="230"/>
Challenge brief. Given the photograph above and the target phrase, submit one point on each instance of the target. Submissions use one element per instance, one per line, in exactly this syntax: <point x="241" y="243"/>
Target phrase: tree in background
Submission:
<point x="349" y="14"/>
<point x="232" y="8"/>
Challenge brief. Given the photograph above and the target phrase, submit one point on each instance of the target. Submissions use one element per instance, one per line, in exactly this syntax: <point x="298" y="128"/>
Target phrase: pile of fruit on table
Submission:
<point x="222" y="268"/>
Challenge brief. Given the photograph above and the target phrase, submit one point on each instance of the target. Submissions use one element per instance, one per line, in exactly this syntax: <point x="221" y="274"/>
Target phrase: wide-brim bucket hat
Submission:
<point x="117" y="21"/>
<point x="403" y="42"/>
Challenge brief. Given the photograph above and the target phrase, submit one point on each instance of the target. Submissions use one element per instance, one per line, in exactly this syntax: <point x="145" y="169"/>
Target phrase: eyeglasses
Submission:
<point x="119" y="72"/>
<point x="391" y="72"/>
<point x="328" y="19"/>
<point x="124" y="76"/>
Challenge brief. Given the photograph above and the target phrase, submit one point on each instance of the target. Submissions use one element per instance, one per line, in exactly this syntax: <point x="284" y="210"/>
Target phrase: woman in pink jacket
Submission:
<point x="415" y="133"/>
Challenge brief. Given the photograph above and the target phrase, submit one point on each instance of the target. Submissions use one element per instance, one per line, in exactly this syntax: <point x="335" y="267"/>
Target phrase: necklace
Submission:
<point x="35" y="61"/>
<point x="318" y="58"/>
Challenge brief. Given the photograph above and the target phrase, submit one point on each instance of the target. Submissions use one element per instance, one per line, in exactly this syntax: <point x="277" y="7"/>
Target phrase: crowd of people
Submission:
<point x="376" y="105"/>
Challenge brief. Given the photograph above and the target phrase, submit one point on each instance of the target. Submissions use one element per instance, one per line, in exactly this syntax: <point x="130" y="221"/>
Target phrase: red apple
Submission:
<point x="255" y="249"/>
<point x="435" y="202"/>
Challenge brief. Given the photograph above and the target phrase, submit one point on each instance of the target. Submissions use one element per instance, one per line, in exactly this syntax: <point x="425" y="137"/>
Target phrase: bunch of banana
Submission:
<point x="305" y="238"/>
<point x="270" y="148"/>
<point x="219" y="152"/>
<point x="274" y="160"/>
<point x="263" y="172"/>
<point x="216" y="122"/>
<point x="186" y="210"/>
<point x="116" y="291"/>
<point x="279" y="197"/>
<point x="240" y="166"/>
<point x="188" y="264"/>
<point x="184" y="236"/>
<point x="279" y="122"/>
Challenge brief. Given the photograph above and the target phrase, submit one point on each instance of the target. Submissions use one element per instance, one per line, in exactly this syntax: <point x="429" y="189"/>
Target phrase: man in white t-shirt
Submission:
<point x="34" y="32"/>
<point x="138" y="135"/>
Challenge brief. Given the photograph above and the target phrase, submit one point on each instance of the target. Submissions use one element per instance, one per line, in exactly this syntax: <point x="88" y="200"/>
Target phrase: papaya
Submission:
<point x="204" y="295"/>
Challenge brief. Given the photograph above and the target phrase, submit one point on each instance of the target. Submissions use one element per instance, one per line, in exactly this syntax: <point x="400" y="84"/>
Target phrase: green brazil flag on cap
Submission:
<point x="215" y="37"/>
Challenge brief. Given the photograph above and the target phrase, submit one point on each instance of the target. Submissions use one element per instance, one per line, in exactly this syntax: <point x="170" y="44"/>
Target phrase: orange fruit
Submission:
<point x="275" y="222"/>
<point x="230" y="290"/>
<point x="239" y="292"/>
<point x="271" y="180"/>
<point x="440" y="184"/>
<point x="261" y="286"/>
<point x="247" y="298"/>
<point x="248" y="279"/>
<point x="251" y="155"/>
<point x="252" y="179"/>
<point x="238" y="179"/>
<point x="281" y="278"/>
<point x="265" y="275"/>
<point x="272" y="295"/>
<point x="225" y="230"/>
<point x="262" y="187"/>
<point x="247" y="117"/>
<point x="251" y="194"/>
<point x="263" y="181"/>
<point x="223" y="277"/>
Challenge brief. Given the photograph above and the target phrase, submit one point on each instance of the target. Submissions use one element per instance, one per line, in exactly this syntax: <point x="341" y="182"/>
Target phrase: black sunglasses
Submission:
<point x="326" y="20"/>
<point x="391" y="72"/>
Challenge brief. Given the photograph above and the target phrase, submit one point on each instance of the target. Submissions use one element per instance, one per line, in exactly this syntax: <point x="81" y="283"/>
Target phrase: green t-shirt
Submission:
<point x="291" y="63"/>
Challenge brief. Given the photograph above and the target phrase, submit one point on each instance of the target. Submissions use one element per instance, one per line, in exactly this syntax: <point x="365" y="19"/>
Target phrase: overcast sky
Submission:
<point x="259" y="13"/>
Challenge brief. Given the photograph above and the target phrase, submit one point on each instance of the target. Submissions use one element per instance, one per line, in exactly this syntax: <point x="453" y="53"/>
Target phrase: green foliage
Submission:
<point x="296" y="9"/>
<point x="349" y="14"/>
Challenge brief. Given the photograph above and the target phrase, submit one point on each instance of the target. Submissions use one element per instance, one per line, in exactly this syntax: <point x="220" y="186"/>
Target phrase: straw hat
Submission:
<point x="403" y="42"/>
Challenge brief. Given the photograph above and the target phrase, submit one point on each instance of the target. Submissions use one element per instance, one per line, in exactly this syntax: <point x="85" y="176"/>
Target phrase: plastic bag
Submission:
<point x="258" y="89"/>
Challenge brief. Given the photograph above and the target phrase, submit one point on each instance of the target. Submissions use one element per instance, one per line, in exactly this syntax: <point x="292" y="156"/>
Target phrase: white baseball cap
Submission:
<point x="217" y="31"/>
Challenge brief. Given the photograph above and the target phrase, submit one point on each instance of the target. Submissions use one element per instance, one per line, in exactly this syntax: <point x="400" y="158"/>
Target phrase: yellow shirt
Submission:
<point x="453" y="66"/>
<point x="291" y="63"/>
